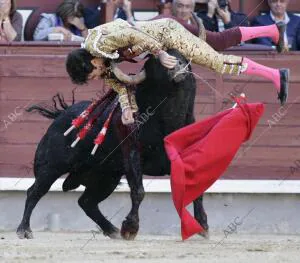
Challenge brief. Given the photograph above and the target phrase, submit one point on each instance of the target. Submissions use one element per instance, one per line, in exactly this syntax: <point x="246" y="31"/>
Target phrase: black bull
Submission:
<point x="165" y="105"/>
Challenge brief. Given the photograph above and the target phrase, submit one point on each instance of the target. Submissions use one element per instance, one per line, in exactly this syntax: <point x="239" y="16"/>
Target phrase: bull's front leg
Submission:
<point x="134" y="176"/>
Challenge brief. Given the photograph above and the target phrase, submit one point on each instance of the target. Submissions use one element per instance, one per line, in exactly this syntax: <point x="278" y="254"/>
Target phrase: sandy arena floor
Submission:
<point x="88" y="247"/>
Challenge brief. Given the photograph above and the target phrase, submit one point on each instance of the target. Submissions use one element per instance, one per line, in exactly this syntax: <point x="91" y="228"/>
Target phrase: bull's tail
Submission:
<point x="52" y="111"/>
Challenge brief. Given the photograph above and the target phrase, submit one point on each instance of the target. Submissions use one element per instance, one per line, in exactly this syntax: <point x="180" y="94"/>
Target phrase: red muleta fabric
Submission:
<point x="201" y="152"/>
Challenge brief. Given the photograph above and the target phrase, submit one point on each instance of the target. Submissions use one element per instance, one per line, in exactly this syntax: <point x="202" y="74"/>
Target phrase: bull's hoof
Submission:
<point x="204" y="234"/>
<point x="129" y="229"/>
<point x="25" y="233"/>
<point x="129" y="235"/>
<point x="114" y="233"/>
<point x="115" y="236"/>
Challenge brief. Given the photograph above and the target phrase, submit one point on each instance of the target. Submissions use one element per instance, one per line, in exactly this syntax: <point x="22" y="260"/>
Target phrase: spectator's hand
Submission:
<point x="225" y="15"/>
<point x="67" y="34"/>
<point x="5" y="21"/>
<point x="2" y="34"/>
<point x="212" y="6"/>
<point x="127" y="6"/>
<point x="77" y="22"/>
<point x="6" y="31"/>
<point x="166" y="60"/>
<point x="5" y="7"/>
<point x="128" y="11"/>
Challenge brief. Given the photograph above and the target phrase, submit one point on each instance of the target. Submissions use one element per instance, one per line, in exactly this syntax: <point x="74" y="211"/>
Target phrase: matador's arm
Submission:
<point x="123" y="94"/>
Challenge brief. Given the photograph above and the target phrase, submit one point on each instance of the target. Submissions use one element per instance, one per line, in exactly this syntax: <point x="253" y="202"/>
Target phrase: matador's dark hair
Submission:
<point x="79" y="65"/>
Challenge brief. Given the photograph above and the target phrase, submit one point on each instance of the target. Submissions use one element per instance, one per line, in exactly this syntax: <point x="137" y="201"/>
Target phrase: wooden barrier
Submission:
<point x="31" y="74"/>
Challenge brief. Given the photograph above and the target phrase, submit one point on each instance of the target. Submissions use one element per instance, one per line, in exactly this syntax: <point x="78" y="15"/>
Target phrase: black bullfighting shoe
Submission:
<point x="284" y="85"/>
<point x="280" y="46"/>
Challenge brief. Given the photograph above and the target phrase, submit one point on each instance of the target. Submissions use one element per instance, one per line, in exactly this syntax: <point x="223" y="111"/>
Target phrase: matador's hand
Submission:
<point x="166" y="60"/>
<point x="127" y="116"/>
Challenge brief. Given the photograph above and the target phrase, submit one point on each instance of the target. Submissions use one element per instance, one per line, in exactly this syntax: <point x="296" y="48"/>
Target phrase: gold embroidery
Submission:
<point x="133" y="103"/>
<point x="123" y="95"/>
<point x="116" y="86"/>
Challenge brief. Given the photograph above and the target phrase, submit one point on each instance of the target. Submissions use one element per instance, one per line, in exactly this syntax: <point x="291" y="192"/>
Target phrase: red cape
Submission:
<point x="201" y="152"/>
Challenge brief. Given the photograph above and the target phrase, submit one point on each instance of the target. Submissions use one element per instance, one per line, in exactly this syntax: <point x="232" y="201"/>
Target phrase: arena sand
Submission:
<point x="94" y="247"/>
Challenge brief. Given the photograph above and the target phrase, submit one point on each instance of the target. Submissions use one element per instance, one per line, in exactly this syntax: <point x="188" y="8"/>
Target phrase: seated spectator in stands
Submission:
<point x="219" y="16"/>
<point x="278" y="12"/>
<point x="11" y="22"/>
<point x="165" y="7"/>
<point x="123" y="10"/>
<point x="68" y="20"/>
<point x="184" y="11"/>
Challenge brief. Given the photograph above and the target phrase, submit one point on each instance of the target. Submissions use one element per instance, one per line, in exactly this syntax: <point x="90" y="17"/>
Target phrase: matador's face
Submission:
<point x="99" y="69"/>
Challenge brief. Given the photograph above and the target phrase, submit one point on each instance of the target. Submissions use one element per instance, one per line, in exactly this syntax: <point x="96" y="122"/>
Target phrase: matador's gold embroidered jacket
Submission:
<point x="154" y="35"/>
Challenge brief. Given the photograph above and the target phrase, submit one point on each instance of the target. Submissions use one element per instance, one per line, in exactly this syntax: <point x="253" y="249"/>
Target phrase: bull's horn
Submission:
<point x="127" y="79"/>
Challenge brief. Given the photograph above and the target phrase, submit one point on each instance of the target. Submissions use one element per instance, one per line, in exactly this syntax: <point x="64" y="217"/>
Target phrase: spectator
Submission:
<point x="278" y="12"/>
<point x="11" y="22"/>
<point x="218" y="18"/>
<point x="183" y="12"/>
<point x="165" y="7"/>
<point x="123" y="10"/>
<point x="67" y="21"/>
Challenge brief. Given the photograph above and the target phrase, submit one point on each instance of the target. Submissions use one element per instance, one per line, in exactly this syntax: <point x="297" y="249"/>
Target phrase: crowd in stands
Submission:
<point x="71" y="20"/>
<point x="218" y="18"/>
